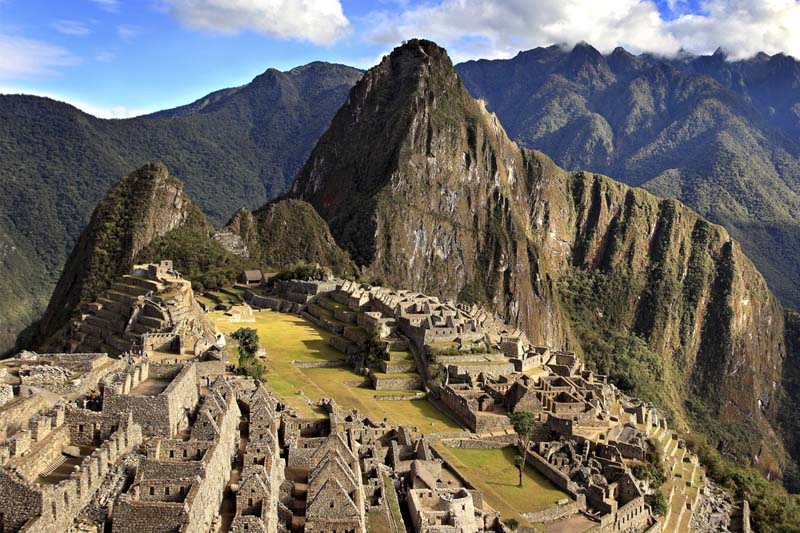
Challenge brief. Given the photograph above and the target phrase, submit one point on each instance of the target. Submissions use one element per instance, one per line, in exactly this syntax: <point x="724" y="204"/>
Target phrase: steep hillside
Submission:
<point x="422" y="186"/>
<point x="144" y="206"/>
<point x="720" y="136"/>
<point x="237" y="147"/>
<point x="285" y="232"/>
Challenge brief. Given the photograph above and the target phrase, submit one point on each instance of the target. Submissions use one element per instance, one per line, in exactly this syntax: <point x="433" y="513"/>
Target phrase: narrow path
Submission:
<point x="227" y="509"/>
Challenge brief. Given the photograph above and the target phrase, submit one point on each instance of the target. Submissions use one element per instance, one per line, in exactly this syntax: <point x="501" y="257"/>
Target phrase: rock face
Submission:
<point x="143" y="206"/>
<point x="718" y="135"/>
<point x="422" y="186"/>
<point x="285" y="232"/>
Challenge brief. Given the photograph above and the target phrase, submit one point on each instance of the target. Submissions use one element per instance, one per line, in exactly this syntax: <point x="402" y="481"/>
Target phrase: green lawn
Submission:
<point x="288" y="338"/>
<point x="494" y="473"/>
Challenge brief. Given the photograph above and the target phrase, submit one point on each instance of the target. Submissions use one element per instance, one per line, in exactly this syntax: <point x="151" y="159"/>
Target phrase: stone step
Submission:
<point x="133" y="290"/>
<point x="119" y="343"/>
<point x="90" y="329"/>
<point x="111" y="305"/>
<point x="395" y="367"/>
<point x="108" y="314"/>
<point x="151" y="322"/>
<point x="122" y="298"/>
<point x="148" y="284"/>
<point x="106" y="324"/>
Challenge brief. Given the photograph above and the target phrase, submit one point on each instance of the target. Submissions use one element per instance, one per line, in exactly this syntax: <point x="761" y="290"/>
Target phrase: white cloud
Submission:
<point x="742" y="27"/>
<point x="105" y="56"/>
<point x="126" y="32"/>
<point x="71" y="27"/>
<point x="112" y="6"/>
<point x="117" y="111"/>
<point x="22" y="58"/>
<point x="500" y="28"/>
<point x="318" y="21"/>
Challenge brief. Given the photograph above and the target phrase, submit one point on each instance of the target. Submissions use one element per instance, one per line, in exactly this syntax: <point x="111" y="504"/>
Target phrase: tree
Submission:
<point x="511" y="523"/>
<point x="248" y="341"/>
<point x="248" y="346"/>
<point x="519" y="462"/>
<point x="525" y="426"/>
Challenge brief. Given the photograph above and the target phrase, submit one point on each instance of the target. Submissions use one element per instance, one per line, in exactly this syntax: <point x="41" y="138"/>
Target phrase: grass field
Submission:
<point x="288" y="338"/>
<point x="494" y="473"/>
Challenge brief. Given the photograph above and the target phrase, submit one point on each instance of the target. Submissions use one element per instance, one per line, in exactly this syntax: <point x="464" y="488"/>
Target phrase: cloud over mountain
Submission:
<point x="500" y="28"/>
<point x="317" y="21"/>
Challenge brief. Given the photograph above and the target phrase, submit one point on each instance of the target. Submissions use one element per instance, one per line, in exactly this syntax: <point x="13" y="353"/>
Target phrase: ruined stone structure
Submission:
<point x="160" y="396"/>
<point x="151" y="300"/>
<point x="180" y="483"/>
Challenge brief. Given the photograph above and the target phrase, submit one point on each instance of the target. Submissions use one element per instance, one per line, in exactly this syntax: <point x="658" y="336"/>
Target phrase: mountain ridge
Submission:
<point x="59" y="162"/>
<point x="422" y="186"/>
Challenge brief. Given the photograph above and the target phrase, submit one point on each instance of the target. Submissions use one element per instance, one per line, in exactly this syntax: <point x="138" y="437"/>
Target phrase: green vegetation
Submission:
<point x="493" y="472"/>
<point x="596" y="310"/>
<point x="198" y="257"/>
<point x="247" y="363"/>
<point x="682" y="130"/>
<point x="302" y="271"/>
<point x="653" y="470"/>
<point x="773" y="510"/>
<point x="236" y="147"/>
<point x="290" y="235"/>
<point x="657" y="503"/>
<point x="525" y="427"/>
<point x="288" y="338"/>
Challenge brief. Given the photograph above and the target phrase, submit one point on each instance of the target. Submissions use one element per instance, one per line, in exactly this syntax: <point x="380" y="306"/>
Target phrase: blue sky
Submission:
<point x="123" y="57"/>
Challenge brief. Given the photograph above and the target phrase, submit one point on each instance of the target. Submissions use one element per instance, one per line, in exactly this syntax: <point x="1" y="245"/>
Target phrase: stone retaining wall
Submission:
<point x="551" y="514"/>
<point x="398" y="383"/>
<point x="318" y="364"/>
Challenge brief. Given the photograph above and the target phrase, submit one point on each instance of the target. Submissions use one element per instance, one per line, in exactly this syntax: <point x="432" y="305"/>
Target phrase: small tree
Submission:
<point x="525" y="426"/>
<point x="248" y="341"/>
<point x="519" y="462"/>
<point x="511" y="523"/>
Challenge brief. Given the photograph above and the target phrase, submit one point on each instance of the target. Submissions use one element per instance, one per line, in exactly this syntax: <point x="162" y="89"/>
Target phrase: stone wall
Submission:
<point x="53" y="508"/>
<point x="15" y="415"/>
<point x="164" y="413"/>
<point x="558" y="478"/>
<point x="193" y="509"/>
<point x="553" y="513"/>
<point x="397" y="383"/>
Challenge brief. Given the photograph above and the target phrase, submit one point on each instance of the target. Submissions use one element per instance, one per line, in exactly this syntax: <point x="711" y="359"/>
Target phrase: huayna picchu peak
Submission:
<point x="408" y="298"/>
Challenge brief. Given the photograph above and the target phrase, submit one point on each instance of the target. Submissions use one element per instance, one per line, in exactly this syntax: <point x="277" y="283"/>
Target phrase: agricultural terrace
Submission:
<point x="288" y="338"/>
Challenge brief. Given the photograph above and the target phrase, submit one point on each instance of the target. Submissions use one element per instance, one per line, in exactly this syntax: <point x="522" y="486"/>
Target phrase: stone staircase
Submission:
<point x="114" y="322"/>
<point x="684" y="478"/>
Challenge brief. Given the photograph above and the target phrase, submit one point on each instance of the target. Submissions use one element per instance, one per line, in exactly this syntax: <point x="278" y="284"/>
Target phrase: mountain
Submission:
<point x="721" y="136"/>
<point x="235" y="148"/>
<point x="425" y="190"/>
<point x="285" y="232"/>
<point x="144" y="206"/>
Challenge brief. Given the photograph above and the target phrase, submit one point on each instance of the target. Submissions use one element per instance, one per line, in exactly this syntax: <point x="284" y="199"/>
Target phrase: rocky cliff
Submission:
<point x="143" y="206"/>
<point x="422" y="186"/>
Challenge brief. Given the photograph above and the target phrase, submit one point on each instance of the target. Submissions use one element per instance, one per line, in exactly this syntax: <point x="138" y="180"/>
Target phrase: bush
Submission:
<point x="511" y="523"/>
<point x="657" y="503"/>
<point x="303" y="271"/>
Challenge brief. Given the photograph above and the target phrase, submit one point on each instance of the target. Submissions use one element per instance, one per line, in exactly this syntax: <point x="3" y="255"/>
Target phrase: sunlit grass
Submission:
<point x="288" y="337"/>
